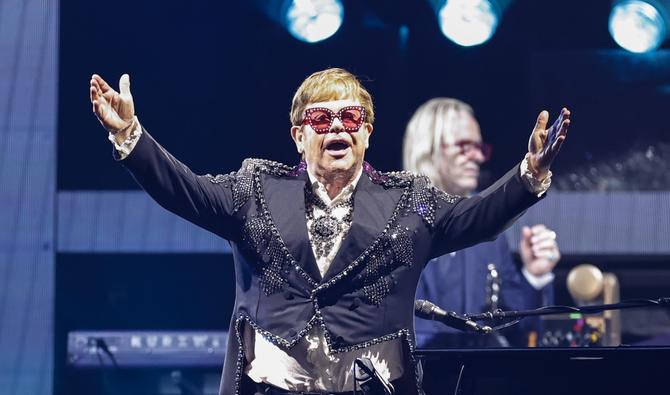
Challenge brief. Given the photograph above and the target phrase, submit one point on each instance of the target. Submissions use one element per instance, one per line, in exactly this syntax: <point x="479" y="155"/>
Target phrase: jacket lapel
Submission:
<point x="373" y="207"/>
<point x="286" y="201"/>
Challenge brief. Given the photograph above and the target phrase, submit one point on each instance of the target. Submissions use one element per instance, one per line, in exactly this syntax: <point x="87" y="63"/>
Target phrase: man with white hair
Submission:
<point x="444" y="142"/>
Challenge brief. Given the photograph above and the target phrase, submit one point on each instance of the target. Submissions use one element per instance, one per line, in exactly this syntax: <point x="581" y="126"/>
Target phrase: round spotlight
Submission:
<point x="314" y="20"/>
<point x="468" y="22"/>
<point x="637" y="26"/>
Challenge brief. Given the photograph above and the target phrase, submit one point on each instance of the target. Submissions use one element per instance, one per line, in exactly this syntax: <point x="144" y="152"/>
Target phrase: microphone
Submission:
<point x="101" y="344"/>
<point x="429" y="311"/>
<point x="369" y="380"/>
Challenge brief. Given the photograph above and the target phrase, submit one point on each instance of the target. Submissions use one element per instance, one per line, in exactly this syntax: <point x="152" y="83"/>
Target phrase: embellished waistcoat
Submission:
<point x="366" y="297"/>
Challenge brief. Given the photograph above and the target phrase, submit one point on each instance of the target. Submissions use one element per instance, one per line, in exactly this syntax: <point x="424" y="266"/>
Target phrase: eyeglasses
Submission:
<point x="321" y="119"/>
<point x="468" y="147"/>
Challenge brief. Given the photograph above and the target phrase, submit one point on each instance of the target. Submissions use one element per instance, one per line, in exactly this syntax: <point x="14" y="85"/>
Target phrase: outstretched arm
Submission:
<point x="204" y="200"/>
<point x="485" y="215"/>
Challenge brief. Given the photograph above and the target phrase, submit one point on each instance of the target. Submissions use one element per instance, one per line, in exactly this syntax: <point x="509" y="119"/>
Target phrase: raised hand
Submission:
<point x="538" y="249"/>
<point x="114" y="110"/>
<point x="544" y="144"/>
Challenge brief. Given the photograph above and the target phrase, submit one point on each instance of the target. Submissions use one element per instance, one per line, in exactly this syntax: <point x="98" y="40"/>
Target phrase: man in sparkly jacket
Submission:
<point x="327" y="252"/>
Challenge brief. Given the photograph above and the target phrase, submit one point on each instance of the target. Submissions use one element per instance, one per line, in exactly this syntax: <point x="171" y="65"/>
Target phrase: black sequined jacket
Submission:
<point x="367" y="296"/>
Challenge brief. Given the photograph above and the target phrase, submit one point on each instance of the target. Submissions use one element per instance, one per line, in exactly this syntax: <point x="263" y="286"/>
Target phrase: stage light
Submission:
<point x="469" y="22"/>
<point x="638" y="26"/>
<point x="313" y="20"/>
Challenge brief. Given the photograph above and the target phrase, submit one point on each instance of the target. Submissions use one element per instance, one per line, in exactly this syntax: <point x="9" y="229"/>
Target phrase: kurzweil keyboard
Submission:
<point x="146" y="348"/>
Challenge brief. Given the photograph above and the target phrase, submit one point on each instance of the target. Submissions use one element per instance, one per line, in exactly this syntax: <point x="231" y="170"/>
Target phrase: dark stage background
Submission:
<point x="213" y="81"/>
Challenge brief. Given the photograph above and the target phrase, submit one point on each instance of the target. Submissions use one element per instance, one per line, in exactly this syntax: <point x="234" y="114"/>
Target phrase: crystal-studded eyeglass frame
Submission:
<point x="346" y="115"/>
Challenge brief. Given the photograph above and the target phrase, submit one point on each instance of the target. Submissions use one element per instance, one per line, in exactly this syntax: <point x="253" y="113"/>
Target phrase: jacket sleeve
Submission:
<point x="460" y="223"/>
<point x="207" y="201"/>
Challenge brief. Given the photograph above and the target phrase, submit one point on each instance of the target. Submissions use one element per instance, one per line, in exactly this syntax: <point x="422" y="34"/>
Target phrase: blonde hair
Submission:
<point x="425" y="133"/>
<point x="330" y="84"/>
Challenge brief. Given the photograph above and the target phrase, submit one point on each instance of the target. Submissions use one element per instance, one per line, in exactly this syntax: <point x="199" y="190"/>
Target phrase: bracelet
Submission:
<point x="122" y="149"/>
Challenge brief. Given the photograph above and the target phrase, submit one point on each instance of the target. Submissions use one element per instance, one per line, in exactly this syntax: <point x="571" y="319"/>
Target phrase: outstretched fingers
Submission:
<point x="561" y="136"/>
<point x="541" y="123"/>
<point x="102" y="84"/>
<point x="558" y="134"/>
<point x="537" y="137"/>
<point x="93" y="94"/>
<point x="560" y="130"/>
<point x="97" y="97"/>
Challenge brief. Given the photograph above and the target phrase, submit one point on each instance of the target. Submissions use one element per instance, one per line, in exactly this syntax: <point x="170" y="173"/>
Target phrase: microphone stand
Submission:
<point x="499" y="314"/>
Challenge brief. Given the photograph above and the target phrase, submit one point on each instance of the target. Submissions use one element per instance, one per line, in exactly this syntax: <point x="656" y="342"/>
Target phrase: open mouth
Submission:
<point x="337" y="147"/>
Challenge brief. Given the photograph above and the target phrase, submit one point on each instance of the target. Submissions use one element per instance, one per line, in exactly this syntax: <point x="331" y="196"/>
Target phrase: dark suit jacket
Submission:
<point x="457" y="282"/>
<point x="367" y="295"/>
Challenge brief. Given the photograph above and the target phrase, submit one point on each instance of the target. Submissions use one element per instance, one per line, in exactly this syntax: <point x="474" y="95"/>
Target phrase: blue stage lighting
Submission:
<point x="469" y="22"/>
<point x="313" y="20"/>
<point x="638" y="26"/>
